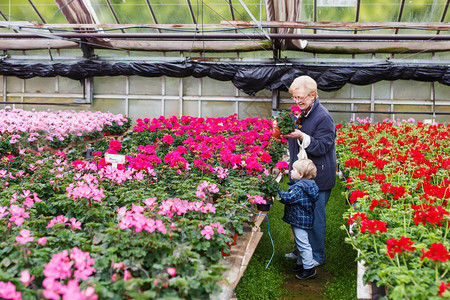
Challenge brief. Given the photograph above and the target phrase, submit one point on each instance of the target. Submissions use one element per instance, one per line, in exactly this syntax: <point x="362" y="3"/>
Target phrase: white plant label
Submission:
<point x="114" y="159"/>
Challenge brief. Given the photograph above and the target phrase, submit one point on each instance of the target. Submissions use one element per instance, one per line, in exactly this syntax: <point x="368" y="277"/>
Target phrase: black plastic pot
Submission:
<point x="264" y="207"/>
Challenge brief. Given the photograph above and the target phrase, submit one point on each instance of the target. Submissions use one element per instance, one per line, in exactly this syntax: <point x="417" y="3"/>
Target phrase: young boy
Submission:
<point x="299" y="212"/>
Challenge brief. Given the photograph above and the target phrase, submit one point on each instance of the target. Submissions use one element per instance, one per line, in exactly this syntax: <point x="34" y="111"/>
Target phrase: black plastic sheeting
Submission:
<point x="249" y="78"/>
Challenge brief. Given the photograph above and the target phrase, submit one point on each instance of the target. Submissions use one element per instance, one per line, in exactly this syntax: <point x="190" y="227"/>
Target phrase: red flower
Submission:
<point x="426" y="213"/>
<point x="359" y="216"/>
<point x="380" y="163"/>
<point x="349" y="181"/>
<point x="356" y="195"/>
<point x="354" y="162"/>
<point x="379" y="203"/>
<point x="399" y="245"/>
<point x="437" y="252"/>
<point x="396" y="191"/>
<point x="373" y="226"/>
<point x="443" y="287"/>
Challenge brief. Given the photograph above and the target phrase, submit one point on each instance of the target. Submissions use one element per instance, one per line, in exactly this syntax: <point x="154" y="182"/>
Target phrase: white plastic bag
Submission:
<point x="301" y="152"/>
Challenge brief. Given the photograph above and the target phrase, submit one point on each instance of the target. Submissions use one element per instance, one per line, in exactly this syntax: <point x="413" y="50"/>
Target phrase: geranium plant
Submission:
<point x="153" y="226"/>
<point x="399" y="191"/>
<point x="285" y="122"/>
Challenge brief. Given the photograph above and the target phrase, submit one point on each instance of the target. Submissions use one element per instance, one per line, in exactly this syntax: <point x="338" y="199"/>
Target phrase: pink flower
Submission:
<point x="25" y="277"/>
<point x="8" y="291"/>
<point x="75" y="224"/>
<point x="24" y="237"/>
<point x="42" y="241"/>
<point x="150" y="201"/>
<point x="3" y="211"/>
<point x="172" y="271"/>
<point x="58" y="219"/>
<point x="18" y="214"/>
<point x="207" y="232"/>
<point x="127" y="275"/>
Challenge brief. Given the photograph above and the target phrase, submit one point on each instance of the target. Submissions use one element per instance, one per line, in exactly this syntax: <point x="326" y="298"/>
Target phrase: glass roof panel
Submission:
<point x="50" y="11"/>
<point x="172" y="11"/>
<point x="257" y="8"/>
<point x="132" y="12"/>
<point x="211" y="12"/>
<point x="379" y="10"/>
<point x="336" y="10"/>
<point x="423" y="11"/>
<point x="103" y="12"/>
<point x="307" y="11"/>
<point x="19" y="10"/>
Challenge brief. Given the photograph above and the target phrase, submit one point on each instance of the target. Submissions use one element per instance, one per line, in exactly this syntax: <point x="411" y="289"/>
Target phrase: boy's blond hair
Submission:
<point x="305" y="167"/>
<point x="304" y="82"/>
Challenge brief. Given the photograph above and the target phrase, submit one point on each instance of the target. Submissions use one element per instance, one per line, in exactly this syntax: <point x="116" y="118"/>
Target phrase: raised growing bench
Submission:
<point x="240" y="256"/>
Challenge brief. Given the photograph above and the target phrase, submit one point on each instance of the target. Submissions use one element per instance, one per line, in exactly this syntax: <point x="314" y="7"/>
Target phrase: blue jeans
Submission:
<point x="317" y="234"/>
<point x="303" y="246"/>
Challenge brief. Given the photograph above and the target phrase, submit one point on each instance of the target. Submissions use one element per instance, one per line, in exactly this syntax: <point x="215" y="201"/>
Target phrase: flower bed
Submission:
<point x="399" y="187"/>
<point x="152" y="227"/>
<point x="33" y="130"/>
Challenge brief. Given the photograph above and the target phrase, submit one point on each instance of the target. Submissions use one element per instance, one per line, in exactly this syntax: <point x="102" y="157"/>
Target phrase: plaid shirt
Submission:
<point x="299" y="203"/>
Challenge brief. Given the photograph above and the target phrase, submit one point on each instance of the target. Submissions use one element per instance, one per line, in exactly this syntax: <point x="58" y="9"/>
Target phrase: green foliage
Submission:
<point x="340" y="256"/>
<point x="285" y="122"/>
<point x="268" y="186"/>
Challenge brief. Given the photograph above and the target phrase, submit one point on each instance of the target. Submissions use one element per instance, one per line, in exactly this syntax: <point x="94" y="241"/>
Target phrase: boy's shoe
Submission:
<point x="306" y="274"/>
<point x="291" y="255"/>
<point x="298" y="269"/>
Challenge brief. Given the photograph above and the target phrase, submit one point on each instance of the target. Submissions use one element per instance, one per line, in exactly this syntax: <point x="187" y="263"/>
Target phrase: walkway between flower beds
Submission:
<point x="241" y="254"/>
<point x="311" y="289"/>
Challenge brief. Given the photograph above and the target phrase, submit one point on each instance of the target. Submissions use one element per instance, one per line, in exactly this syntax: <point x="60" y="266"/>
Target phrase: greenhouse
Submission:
<point x="139" y="157"/>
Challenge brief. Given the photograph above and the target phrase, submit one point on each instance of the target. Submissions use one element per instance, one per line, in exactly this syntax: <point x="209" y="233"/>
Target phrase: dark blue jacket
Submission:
<point x="299" y="203"/>
<point x="319" y="125"/>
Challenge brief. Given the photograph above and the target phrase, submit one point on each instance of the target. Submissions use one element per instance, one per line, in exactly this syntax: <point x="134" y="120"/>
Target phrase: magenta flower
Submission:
<point x="282" y="165"/>
<point x="168" y="139"/>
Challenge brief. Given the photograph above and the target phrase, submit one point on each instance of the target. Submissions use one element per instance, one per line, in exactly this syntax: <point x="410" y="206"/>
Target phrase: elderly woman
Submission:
<point x="317" y="136"/>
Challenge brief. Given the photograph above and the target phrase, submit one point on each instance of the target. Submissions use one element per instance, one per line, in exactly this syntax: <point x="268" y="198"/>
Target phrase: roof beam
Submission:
<point x="244" y="24"/>
<point x="232" y="36"/>
<point x="354" y="47"/>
